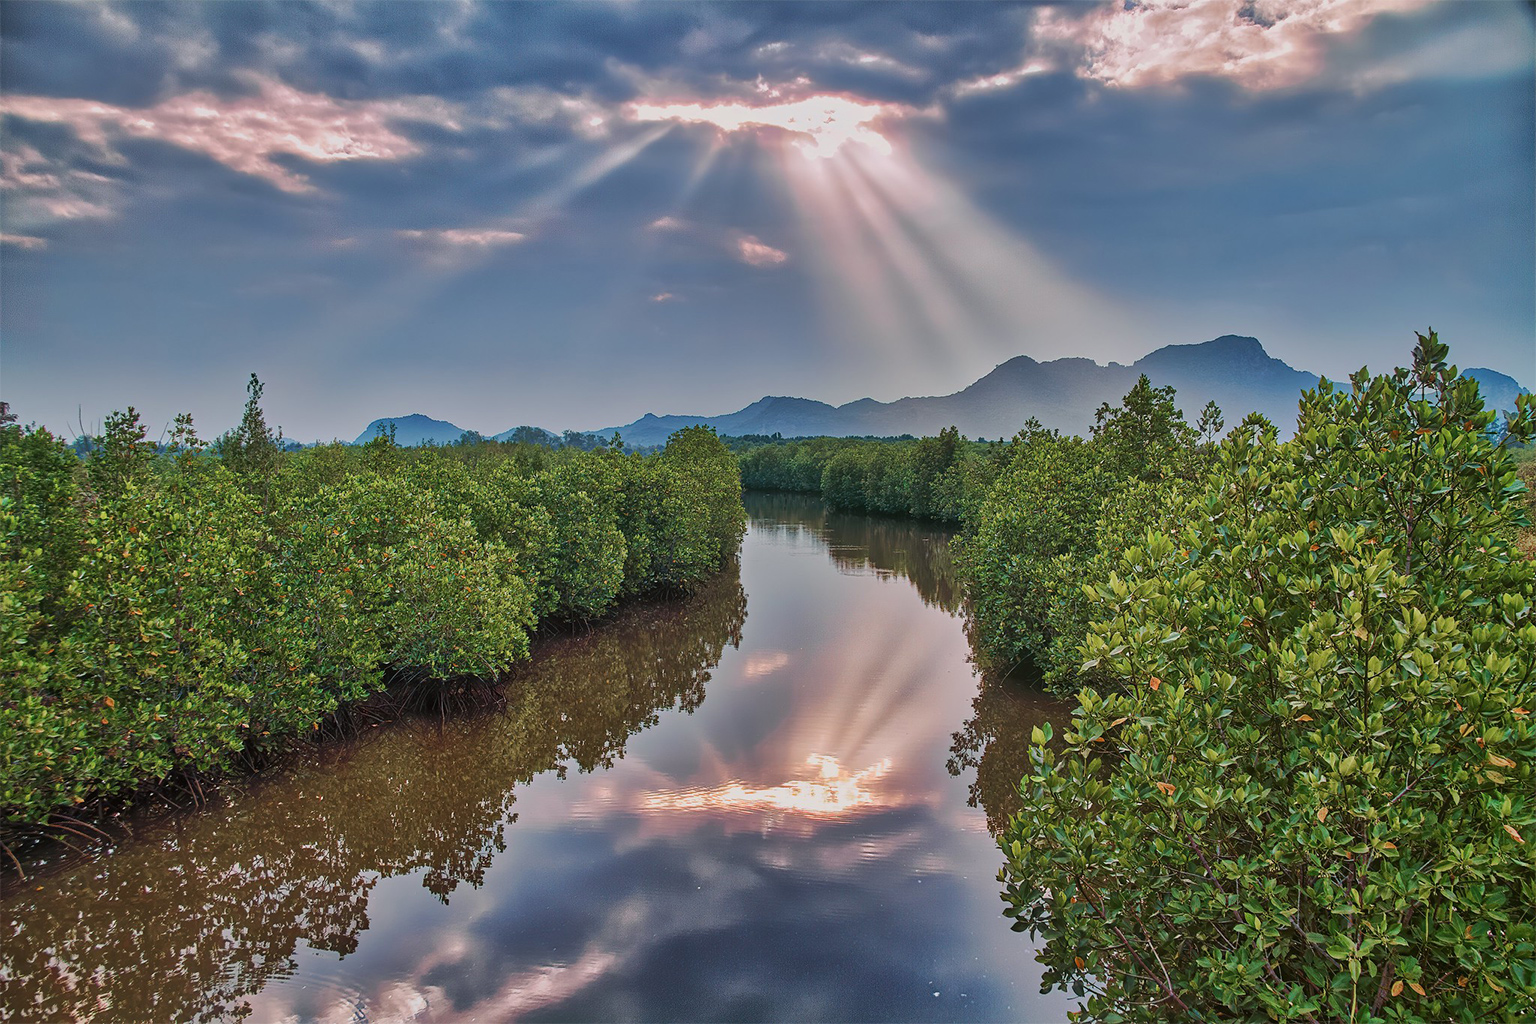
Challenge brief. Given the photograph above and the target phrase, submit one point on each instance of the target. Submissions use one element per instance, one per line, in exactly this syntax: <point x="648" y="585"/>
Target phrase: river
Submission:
<point x="771" y="800"/>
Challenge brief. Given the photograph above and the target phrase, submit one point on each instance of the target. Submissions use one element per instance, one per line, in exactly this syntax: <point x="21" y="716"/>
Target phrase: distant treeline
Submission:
<point x="538" y="435"/>
<point x="170" y="612"/>
<point x="940" y="478"/>
<point x="84" y="444"/>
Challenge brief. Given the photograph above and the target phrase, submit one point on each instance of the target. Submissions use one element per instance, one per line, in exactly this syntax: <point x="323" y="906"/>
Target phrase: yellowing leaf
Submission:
<point x="1167" y="787"/>
<point x="1397" y="987"/>
<point x="1513" y="834"/>
<point x="1502" y="762"/>
<point x="1322" y="813"/>
<point x="1416" y="987"/>
<point x="109" y="702"/>
<point x="1081" y="963"/>
<point x="1154" y="682"/>
<point x="1303" y="718"/>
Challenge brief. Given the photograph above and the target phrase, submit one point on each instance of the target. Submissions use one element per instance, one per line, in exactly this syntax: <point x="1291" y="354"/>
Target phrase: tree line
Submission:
<point x="171" y="611"/>
<point x="938" y="478"/>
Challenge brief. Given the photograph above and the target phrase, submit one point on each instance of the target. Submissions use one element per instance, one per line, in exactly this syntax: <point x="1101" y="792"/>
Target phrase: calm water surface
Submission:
<point x="768" y="801"/>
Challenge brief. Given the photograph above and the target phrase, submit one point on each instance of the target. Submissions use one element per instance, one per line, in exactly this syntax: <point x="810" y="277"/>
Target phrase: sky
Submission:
<point x="571" y="214"/>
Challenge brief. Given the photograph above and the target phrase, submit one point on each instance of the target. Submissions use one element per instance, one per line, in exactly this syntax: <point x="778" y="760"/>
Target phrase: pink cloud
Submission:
<point x="484" y="238"/>
<point x="245" y="133"/>
<point x="754" y="251"/>
<point x="24" y="241"/>
<point x="1264" y="44"/>
<point x="664" y="297"/>
<point x="667" y="224"/>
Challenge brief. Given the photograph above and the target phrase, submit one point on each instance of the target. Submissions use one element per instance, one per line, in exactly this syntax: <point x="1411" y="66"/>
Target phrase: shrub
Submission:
<point x="1313" y="796"/>
<point x="1035" y="526"/>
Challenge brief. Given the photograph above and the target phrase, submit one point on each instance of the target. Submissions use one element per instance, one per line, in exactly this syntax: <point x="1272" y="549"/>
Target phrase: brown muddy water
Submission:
<point x="769" y="801"/>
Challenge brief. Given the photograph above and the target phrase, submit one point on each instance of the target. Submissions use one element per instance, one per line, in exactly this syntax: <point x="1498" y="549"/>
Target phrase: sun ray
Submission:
<point x="907" y="260"/>
<point x="402" y="294"/>
<point x="595" y="170"/>
<point x="929" y="293"/>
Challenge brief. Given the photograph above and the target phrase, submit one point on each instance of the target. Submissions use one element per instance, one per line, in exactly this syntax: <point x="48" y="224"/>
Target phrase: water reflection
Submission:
<point x="833" y="791"/>
<point x="791" y="847"/>
<point x="203" y="909"/>
<point x="858" y="543"/>
<point x="994" y="742"/>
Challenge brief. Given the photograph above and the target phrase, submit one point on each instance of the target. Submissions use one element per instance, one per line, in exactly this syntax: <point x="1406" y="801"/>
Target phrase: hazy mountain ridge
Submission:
<point x="1234" y="371"/>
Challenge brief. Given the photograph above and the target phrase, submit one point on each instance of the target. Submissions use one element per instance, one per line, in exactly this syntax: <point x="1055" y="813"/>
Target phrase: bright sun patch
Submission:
<point x="827" y="123"/>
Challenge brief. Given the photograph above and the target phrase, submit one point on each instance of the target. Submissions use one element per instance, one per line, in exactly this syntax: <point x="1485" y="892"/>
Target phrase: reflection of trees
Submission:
<point x="906" y="547"/>
<point x="210" y="906"/>
<point x="995" y="742"/>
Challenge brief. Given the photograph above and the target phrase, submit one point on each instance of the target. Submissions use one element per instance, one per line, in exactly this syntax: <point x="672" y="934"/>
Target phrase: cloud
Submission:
<point x="846" y="53"/>
<point x="752" y="250"/>
<point x="24" y="241"/>
<point x="825" y="123"/>
<point x="245" y="133"/>
<point x="663" y="297"/>
<point x="667" y="224"/>
<point x="1260" y="45"/>
<point x="483" y="238"/>
<point x="524" y="105"/>
<point x="1004" y="79"/>
<point x="40" y="191"/>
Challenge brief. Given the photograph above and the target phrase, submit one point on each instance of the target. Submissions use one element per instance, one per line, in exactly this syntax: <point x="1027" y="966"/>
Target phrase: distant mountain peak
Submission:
<point x="1228" y="347"/>
<point x="416" y="428"/>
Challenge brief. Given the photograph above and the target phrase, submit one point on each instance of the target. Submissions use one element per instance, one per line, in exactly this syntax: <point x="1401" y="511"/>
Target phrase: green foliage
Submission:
<point x="1057" y="517"/>
<point x="1035" y="527"/>
<point x="1309" y="793"/>
<point x="1147" y="438"/>
<point x="170" y="613"/>
<point x="251" y="450"/>
<point x="939" y="478"/>
<point x="121" y="456"/>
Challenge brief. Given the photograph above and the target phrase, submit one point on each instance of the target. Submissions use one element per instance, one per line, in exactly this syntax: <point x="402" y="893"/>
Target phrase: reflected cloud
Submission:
<point x="545" y="985"/>
<point x="764" y="663"/>
<point x="834" y="791"/>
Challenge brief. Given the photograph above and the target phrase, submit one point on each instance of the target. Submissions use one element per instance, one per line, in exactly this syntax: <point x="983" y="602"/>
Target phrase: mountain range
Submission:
<point x="1233" y="371"/>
